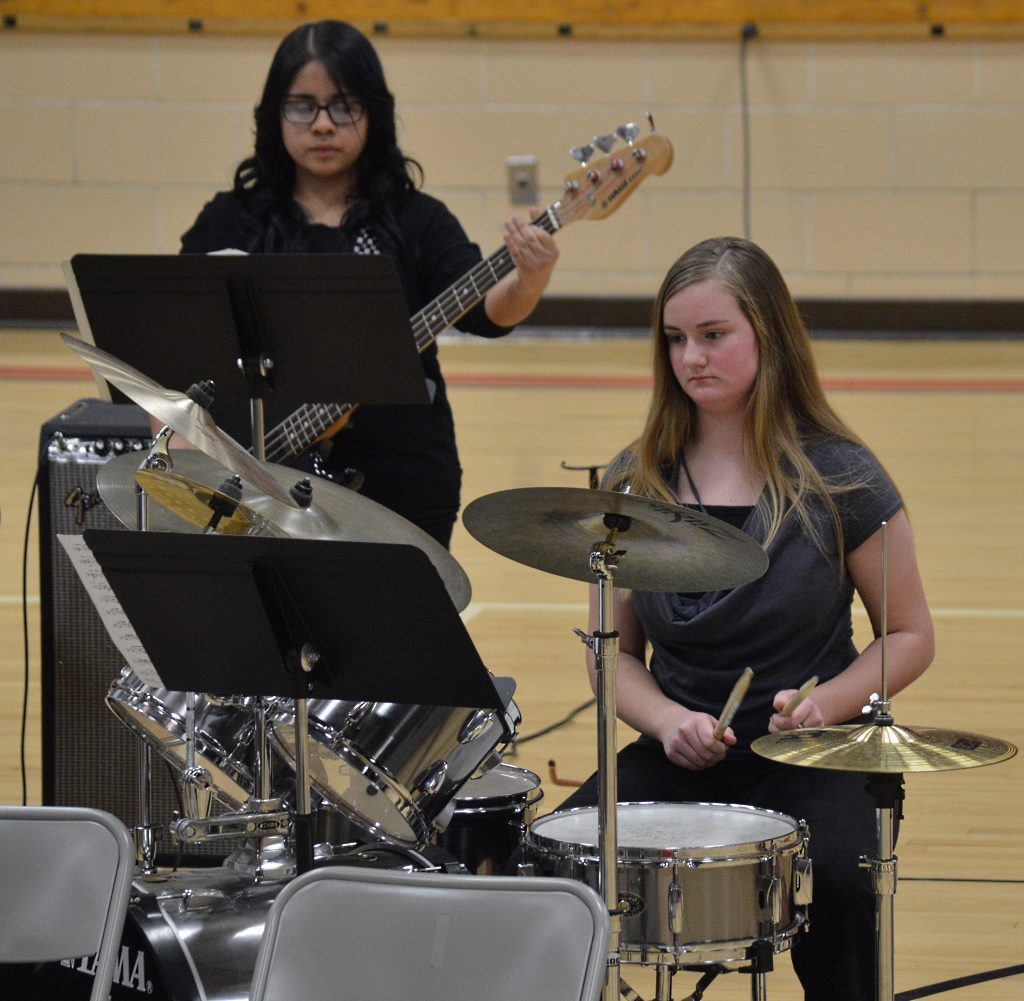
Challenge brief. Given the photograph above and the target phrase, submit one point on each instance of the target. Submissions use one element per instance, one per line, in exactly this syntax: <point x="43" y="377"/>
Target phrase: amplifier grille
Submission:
<point x="90" y="758"/>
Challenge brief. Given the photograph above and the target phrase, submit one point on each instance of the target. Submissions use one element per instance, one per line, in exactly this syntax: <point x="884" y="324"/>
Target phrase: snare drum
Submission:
<point x="492" y="813"/>
<point x="701" y="882"/>
<point x="393" y="768"/>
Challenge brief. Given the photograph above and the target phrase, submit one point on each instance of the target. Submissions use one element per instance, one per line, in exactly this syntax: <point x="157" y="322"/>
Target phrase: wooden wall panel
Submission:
<point x="587" y="18"/>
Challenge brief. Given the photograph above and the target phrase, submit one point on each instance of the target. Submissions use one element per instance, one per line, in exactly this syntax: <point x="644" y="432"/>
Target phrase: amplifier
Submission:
<point x="89" y="757"/>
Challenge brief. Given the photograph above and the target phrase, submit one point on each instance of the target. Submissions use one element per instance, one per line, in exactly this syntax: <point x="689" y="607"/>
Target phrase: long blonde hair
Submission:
<point x="787" y="411"/>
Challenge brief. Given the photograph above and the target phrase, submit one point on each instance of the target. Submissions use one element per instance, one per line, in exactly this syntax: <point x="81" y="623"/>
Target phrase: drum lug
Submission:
<point x="432" y="778"/>
<point x="675" y="908"/>
<point x="475" y="725"/>
<point x="803" y="882"/>
<point x="359" y="713"/>
<point x="771" y="900"/>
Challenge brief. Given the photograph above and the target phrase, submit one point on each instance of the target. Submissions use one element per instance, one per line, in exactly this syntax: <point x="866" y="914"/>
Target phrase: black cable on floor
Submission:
<point x="554" y="726"/>
<point x="956" y="984"/>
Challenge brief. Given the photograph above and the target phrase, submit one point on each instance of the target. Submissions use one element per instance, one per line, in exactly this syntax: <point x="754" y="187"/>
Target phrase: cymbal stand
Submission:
<point x="604" y="643"/>
<point x="145" y="832"/>
<point x="262" y="818"/>
<point x="887" y="791"/>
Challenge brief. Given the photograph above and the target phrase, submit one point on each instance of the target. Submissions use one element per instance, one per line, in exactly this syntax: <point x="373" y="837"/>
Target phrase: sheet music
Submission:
<point x="111" y="613"/>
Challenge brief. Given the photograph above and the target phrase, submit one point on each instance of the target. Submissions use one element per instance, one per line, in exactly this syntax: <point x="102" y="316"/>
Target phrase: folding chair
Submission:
<point x="349" y="934"/>
<point x="65" y="879"/>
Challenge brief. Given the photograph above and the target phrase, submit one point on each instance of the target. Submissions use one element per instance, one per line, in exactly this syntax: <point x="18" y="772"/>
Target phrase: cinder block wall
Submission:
<point x="878" y="169"/>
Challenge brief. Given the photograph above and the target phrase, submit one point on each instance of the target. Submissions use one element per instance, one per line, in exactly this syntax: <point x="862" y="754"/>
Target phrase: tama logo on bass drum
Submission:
<point x="129" y="973"/>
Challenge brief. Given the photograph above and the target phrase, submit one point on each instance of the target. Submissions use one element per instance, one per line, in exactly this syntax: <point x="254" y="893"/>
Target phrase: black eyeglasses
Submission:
<point x="304" y="110"/>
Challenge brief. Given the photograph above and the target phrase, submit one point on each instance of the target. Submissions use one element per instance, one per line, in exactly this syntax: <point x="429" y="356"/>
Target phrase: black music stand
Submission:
<point x="219" y="613"/>
<point x="282" y="328"/>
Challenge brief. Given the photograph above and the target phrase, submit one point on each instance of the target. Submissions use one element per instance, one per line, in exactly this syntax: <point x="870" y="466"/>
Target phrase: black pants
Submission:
<point x="835" y="959"/>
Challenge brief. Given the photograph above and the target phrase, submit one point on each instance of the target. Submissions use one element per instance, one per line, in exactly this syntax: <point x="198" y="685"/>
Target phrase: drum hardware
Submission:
<point x="665" y="547"/>
<point x="884" y="751"/>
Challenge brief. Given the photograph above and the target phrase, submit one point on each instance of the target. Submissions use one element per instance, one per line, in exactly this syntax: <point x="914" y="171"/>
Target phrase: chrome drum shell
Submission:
<point x="394" y="768"/>
<point x="701" y="882"/>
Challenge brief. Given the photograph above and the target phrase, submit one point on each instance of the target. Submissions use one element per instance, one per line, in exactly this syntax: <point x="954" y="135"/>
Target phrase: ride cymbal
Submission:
<point x="883" y="748"/>
<point x="334" y="513"/>
<point x="662" y="547"/>
<point x="182" y="415"/>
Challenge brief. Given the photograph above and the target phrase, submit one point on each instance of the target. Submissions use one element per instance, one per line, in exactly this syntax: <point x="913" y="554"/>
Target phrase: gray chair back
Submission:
<point x="65" y="879"/>
<point x="347" y="934"/>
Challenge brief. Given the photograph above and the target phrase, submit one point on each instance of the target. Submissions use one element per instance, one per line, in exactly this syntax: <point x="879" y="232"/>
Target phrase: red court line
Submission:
<point x="30" y="373"/>
<point x="642" y="382"/>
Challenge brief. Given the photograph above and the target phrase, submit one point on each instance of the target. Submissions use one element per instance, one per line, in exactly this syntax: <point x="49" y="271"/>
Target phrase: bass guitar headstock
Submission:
<point x="598" y="187"/>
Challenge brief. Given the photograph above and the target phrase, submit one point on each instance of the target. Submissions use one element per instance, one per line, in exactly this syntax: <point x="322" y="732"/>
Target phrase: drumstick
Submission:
<point x="802" y="692"/>
<point x="739" y="690"/>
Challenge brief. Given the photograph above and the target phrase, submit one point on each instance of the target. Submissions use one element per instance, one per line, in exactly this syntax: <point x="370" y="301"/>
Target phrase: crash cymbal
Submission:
<point x="183" y="415"/>
<point x="883" y="747"/>
<point x="664" y="547"/>
<point x="198" y="504"/>
<point x="335" y="512"/>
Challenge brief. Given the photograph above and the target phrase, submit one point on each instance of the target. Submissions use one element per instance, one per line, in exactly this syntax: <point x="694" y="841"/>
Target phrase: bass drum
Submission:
<point x="193" y="935"/>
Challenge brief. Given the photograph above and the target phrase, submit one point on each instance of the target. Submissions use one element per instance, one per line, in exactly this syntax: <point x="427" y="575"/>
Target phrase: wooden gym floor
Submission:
<point x="946" y="417"/>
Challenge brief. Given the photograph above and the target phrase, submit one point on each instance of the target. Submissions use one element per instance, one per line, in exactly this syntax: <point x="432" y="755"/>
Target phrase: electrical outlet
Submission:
<point x="522" y="180"/>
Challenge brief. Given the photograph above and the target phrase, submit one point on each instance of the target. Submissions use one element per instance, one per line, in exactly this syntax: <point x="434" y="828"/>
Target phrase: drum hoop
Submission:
<point x="498" y="804"/>
<point x="168" y="720"/>
<point x="736" y="852"/>
<point x="204" y="741"/>
<point x="727" y="953"/>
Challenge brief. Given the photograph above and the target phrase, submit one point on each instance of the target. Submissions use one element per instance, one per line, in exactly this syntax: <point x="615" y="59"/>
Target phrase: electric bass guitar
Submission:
<point x="594" y="191"/>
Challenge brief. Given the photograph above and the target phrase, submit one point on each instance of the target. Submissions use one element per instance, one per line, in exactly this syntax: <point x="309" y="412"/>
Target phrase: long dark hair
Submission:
<point x="265" y="181"/>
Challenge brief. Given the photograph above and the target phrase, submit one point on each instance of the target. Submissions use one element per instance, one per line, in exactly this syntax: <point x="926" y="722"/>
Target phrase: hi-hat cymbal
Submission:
<point x="335" y="513"/>
<point x="664" y="548"/>
<point x="883" y="748"/>
<point x="181" y="414"/>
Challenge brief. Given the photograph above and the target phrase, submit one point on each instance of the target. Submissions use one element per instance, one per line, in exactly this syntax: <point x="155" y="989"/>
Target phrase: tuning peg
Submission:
<point x="605" y="143"/>
<point x="582" y="154"/>
<point x="628" y="132"/>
